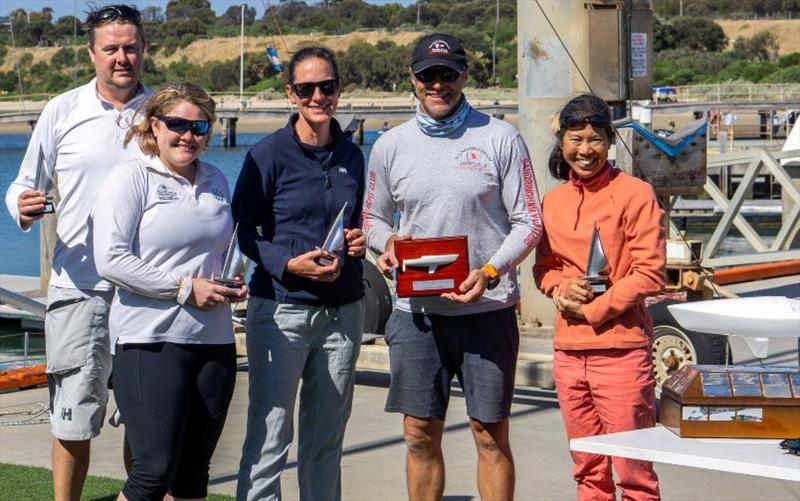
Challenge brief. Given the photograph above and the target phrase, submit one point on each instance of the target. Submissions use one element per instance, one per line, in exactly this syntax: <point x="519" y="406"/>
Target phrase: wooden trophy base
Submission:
<point x="715" y="401"/>
<point x="431" y="266"/>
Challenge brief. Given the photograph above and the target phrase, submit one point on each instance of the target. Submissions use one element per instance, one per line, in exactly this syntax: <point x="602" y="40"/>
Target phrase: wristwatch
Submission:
<point x="494" y="277"/>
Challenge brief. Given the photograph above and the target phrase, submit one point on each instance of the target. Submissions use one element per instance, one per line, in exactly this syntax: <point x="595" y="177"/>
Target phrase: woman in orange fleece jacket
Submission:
<point x="602" y="364"/>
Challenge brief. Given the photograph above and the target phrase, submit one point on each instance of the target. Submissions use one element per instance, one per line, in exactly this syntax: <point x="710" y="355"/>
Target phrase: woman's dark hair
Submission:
<point x="323" y="53"/>
<point x="580" y="110"/>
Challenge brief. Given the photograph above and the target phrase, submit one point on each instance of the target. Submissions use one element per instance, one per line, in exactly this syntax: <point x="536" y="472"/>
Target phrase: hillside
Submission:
<point x="220" y="49"/>
<point x="787" y="31"/>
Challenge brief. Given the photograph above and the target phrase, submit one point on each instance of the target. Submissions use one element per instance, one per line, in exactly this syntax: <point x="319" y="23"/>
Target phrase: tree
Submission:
<point x="190" y="10"/>
<point x="791" y="7"/>
<point x="152" y="14"/>
<point x="64" y="58"/>
<point x="763" y="46"/>
<point x="699" y="34"/>
<point x="664" y="35"/>
<point x="66" y="27"/>
<point x="233" y="16"/>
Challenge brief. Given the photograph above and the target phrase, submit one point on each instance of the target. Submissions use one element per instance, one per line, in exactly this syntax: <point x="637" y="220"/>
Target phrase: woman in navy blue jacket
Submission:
<point x="304" y="317"/>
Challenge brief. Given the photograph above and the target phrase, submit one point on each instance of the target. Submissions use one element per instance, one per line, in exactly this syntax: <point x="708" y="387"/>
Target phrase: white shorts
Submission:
<point x="78" y="361"/>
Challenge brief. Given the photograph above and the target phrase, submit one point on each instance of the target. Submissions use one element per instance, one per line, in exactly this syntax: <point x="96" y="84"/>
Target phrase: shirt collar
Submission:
<point x="154" y="163"/>
<point x="594" y="183"/>
<point x="141" y="95"/>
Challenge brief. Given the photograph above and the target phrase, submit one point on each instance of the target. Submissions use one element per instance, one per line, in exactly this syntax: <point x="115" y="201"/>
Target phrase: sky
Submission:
<point x="69" y="7"/>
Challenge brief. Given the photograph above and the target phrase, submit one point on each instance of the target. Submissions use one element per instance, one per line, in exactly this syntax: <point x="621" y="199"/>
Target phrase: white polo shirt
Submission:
<point x="152" y="227"/>
<point x="81" y="135"/>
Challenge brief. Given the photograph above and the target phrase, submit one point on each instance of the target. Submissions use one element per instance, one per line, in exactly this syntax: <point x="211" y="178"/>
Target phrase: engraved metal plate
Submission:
<point x="776" y="385"/>
<point x="429" y="285"/>
<point x="716" y="384"/>
<point x="745" y="384"/>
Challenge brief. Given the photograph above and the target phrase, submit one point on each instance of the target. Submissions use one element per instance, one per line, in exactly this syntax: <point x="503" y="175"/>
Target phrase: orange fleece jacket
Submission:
<point x="631" y="228"/>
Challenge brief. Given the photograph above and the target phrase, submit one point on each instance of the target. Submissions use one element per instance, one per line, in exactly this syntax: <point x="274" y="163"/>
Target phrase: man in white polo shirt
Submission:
<point x="80" y="134"/>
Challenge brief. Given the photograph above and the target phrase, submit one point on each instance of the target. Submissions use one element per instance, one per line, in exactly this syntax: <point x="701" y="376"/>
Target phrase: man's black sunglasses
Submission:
<point x="306" y="89"/>
<point x="181" y="125"/>
<point x="114" y="12"/>
<point x="445" y="75"/>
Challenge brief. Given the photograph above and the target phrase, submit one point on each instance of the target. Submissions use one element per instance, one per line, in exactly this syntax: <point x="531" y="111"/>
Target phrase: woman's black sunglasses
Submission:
<point x="114" y="12"/>
<point x="445" y="75"/>
<point x="181" y="125"/>
<point x="306" y="89"/>
<point x="572" y="121"/>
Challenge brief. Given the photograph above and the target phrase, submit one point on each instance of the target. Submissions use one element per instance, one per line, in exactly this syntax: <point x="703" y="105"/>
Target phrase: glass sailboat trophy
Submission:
<point x="334" y="241"/>
<point x="234" y="264"/>
<point x="40" y="183"/>
<point x="596" y="264"/>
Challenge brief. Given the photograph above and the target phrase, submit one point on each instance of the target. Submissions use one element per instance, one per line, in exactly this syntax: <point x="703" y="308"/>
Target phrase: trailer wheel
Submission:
<point x="377" y="299"/>
<point x="674" y="346"/>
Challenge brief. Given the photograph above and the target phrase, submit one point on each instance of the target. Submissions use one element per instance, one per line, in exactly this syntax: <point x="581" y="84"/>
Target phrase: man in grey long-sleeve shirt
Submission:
<point x="453" y="171"/>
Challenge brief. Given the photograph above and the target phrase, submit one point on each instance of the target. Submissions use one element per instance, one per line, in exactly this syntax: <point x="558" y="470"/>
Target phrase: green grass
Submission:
<point x="29" y="483"/>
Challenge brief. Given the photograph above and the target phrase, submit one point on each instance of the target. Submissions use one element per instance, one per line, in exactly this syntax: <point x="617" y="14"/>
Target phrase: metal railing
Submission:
<point x="738" y="92"/>
<point x="22" y="353"/>
<point x="757" y="161"/>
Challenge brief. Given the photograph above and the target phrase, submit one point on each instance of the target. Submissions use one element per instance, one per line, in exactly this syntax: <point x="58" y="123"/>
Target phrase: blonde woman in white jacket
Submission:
<point x="161" y="227"/>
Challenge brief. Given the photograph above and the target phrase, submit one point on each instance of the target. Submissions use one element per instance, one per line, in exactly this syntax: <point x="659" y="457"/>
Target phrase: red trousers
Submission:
<point x="606" y="391"/>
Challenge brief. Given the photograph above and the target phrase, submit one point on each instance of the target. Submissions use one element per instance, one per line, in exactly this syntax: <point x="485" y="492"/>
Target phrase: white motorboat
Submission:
<point x="756" y="319"/>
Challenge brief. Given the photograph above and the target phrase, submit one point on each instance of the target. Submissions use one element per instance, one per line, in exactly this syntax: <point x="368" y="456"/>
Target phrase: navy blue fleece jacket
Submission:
<point x="285" y="201"/>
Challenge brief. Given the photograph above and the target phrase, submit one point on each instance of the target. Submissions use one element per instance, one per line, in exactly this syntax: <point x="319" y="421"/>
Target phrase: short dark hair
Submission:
<point x="116" y="13"/>
<point x="579" y="111"/>
<point x="319" y="52"/>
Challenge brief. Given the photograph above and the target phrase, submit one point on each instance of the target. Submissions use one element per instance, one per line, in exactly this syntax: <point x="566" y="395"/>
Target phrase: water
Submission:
<point x="19" y="252"/>
<point x="12" y="346"/>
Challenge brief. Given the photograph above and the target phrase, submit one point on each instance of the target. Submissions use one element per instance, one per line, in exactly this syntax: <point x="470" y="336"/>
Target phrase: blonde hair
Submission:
<point x="159" y="104"/>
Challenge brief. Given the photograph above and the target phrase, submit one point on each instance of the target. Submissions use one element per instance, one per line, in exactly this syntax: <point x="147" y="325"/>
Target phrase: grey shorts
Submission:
<point x="78" y="361"/>
<point x="426" y="351"/>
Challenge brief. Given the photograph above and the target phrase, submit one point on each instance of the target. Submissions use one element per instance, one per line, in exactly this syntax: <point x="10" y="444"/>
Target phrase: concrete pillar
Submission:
<point x="360" y="131"/>
<point x="228" y="132"/>
<point x="547" y="79"/>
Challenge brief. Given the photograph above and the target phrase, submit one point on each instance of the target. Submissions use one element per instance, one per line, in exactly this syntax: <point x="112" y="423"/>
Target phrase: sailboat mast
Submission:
<point x="241" y="61"/>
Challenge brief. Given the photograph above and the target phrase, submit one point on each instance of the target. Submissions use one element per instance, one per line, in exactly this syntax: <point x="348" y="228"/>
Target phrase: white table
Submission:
<point x="762" y="458"/>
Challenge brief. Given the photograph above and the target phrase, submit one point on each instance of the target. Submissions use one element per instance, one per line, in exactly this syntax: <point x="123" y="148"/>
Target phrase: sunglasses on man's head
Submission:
<point x="306" y="89"/>
<point x="181" y="125"/>
<point x="445" y="75"/>
<point x="114" y="12"/>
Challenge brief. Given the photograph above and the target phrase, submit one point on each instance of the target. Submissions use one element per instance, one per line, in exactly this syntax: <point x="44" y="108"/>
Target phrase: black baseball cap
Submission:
<point x="438" y="50"/>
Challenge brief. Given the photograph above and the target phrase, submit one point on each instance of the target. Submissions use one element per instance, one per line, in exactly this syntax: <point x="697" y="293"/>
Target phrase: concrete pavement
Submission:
<point x="374" y="454"/>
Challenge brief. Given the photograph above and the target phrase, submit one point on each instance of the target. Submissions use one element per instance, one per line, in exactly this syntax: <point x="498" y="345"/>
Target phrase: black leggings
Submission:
<point x="173" y="399"/>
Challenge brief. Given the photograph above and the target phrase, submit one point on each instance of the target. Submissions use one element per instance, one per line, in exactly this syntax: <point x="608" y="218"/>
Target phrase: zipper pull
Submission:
<point x="327" y="181"/>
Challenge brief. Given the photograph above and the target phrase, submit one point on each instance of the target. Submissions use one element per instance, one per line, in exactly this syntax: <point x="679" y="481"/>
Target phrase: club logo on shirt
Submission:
<point x="216" y="193"/>
<point x="342" y="169"/>
<point x="472" y="159"/>
<point x="166" y="194"/>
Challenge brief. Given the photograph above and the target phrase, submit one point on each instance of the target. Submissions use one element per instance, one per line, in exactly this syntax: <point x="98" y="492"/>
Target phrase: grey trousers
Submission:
<point x="287" y="343"/>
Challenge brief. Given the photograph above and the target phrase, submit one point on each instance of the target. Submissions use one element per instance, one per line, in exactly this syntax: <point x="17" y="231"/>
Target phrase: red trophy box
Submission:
<point x="431" y="266"/>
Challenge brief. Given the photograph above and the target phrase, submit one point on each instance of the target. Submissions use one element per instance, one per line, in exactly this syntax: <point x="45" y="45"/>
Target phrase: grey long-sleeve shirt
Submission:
<point x="476" y="181"/>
